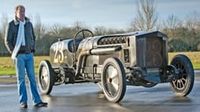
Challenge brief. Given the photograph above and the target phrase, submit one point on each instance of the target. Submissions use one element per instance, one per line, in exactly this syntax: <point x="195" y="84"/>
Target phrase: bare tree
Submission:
<point x="38" y="27"/>
<point x="78" y="25"/>
<point x="133" y="26"/>
<point x="192" y="24"/>
<point x="100" y="30"/>
<point x="193" y="21"/>
<point x="170" y="26"/>
<point x="55" y="30"/>
<point x="4" y="23"/>
<point x="3" y="27"/>
<point x="172" y="22"/>
<point x="146" y="16"/>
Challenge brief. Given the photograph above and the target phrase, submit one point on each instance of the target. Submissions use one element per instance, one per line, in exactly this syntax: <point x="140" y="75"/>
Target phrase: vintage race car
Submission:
<point x="115" y="61"/>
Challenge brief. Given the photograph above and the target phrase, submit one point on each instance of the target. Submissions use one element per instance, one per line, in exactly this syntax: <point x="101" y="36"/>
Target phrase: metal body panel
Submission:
<point x="138" y="49"/>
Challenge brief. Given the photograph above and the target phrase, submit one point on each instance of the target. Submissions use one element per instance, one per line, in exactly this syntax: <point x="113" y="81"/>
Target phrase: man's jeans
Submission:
<point x="25" y="62"/>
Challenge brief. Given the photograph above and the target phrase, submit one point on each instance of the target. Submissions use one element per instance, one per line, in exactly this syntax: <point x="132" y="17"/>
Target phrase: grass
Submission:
<point x="7" y="67"/>
<point x="194" y="57"/>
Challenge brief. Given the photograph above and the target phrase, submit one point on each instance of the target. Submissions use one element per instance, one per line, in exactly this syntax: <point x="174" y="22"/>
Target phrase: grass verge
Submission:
<point x="7" y="66"/>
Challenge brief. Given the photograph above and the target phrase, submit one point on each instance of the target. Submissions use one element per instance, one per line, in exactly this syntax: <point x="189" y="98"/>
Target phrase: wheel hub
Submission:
<point x="110" y="80"/>
<point x="44" y="77"/>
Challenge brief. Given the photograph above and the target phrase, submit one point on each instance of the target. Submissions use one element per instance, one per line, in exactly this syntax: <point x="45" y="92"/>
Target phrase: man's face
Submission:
<point x="20" y="13"/>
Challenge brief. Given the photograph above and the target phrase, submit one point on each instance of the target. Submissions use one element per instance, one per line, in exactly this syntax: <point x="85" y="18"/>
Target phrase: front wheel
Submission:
<point x="183" y="85"/>
<point x="46" y="77"/>
<point x="113" y="80"/>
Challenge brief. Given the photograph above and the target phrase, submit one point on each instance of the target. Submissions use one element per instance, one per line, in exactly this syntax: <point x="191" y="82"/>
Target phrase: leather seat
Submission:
<point x="71" y="45"/>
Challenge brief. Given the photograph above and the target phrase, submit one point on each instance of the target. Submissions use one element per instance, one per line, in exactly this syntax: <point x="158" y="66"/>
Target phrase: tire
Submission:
<point x="149" y="84"/>
<point x="113" y="80"/>
<point x="46" y="77"/>
<point x="184" y="84"/>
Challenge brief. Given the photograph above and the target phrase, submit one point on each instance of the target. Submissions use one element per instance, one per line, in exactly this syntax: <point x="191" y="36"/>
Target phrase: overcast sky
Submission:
<point x="108" y="13"/>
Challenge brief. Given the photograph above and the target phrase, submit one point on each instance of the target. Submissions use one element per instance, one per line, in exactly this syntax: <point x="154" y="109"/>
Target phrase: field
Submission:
<point x="194" y="57"/>
<point x="7" y="66"/>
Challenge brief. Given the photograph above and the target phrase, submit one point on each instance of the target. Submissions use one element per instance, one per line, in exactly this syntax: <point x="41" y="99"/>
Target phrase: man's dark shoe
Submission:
<point x="41" y="104"/>
<point x="23" y="105"/>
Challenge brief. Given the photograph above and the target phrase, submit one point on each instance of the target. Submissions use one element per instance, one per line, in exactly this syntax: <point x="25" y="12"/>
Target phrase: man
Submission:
<point x="20" y="42"/>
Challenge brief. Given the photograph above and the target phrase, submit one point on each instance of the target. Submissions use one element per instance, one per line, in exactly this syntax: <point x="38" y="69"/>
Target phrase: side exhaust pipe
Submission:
<point x="104" y="51"/>
<point x="96" y="51"/>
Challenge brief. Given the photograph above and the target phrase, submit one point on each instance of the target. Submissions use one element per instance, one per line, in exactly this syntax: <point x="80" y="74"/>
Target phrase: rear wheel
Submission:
<point x="46" y="77"/>
<point x="113" y="80"/>
<point x="183" y="85"/>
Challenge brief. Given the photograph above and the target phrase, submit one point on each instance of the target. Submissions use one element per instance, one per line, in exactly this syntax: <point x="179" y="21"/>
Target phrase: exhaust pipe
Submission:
<point x="96" y="51"/>
<point x="104" y="51"/>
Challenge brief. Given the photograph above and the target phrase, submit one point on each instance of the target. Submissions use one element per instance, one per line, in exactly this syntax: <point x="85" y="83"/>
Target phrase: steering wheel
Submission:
<point x="83" y="31"/>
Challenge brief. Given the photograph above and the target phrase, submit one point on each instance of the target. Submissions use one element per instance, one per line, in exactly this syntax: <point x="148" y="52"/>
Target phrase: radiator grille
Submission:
<point x="154" y="52"/>
<point x="150" y="52"/>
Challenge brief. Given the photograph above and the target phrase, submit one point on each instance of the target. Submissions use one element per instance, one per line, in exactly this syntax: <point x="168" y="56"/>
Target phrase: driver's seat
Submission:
<point x="71" y="45"/>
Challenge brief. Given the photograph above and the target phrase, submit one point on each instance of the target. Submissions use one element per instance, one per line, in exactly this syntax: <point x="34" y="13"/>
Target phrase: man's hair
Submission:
<point x="18" y="7"/>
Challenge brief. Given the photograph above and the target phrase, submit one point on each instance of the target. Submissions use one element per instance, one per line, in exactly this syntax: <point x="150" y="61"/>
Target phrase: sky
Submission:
<point x="108" y="13"/>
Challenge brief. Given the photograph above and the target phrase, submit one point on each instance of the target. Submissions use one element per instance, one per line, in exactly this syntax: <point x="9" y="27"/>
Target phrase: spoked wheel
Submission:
<point x="46" y="77"/>
<point x="184" y="84"/>
<point x="113" y="80"/>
